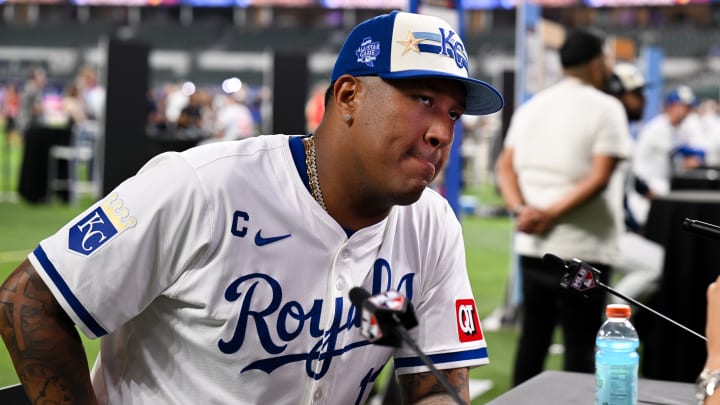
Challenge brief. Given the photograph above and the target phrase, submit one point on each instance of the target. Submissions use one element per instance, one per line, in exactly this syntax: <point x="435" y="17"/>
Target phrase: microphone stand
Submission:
<point x="552" y="260"/>
<point x="405" y="336"/>
<point x="702" y="228"/>
<point x="645" y="307"/>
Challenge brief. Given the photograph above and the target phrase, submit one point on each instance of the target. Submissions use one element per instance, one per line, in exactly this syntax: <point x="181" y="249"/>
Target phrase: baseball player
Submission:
<point x="231" y="285"/>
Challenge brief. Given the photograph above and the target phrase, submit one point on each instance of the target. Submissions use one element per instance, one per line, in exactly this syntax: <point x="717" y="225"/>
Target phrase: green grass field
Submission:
<point x="487" y="240"/>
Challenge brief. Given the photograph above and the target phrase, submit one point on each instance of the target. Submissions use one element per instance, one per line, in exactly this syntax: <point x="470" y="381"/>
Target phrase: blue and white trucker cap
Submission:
<point x="681" y="95"/>
<point x="403" y="45"/>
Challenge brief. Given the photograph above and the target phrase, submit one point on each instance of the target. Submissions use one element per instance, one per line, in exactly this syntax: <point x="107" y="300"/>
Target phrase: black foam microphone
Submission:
<point x="580" y="277"/>
<point x="382" y="314"/>
<point x="385" y="319"/>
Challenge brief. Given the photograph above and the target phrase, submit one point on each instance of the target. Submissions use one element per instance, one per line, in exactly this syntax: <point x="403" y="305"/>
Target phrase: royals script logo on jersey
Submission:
<point x="100" y="226"/>
<point x="468" y="322"/>
<point x="277" y="324"/>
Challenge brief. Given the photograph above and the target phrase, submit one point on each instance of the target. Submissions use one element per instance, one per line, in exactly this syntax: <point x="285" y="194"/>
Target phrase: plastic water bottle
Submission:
<point x="616" y="358"/>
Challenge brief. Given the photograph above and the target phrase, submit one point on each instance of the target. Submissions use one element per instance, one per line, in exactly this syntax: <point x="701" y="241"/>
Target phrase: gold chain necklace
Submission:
<point x="312" y="172"/>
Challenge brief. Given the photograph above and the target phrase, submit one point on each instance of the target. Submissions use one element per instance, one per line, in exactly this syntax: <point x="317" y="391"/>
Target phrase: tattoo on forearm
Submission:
<point x="420" y="385"/>
<point x="54" y="389"/>
<point x="42" y="341"/>
<point x="22" y="301"/>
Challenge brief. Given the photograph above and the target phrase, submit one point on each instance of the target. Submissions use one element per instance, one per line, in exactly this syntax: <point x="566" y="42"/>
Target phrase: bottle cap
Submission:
<point x="617" y="311"/>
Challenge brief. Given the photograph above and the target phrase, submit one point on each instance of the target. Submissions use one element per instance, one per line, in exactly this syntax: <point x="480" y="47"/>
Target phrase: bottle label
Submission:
<point x="616" y="384"/>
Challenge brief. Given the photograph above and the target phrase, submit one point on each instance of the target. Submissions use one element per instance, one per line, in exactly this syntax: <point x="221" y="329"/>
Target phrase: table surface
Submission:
<point x="700" y="196"/>
<point x="563" y="387"/>
<point x="699" y="179"/>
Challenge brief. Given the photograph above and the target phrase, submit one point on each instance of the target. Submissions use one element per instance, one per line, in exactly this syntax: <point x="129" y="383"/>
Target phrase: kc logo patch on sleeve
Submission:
<point x="468" y="323"/>
<point x="99" y="226"/>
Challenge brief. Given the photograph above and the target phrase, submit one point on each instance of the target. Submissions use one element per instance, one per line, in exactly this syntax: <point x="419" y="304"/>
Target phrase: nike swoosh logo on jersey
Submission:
<point x="260" y="241"/>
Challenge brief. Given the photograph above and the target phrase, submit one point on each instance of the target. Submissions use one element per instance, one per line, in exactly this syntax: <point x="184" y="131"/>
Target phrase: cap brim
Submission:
<point x="481" y="98"/>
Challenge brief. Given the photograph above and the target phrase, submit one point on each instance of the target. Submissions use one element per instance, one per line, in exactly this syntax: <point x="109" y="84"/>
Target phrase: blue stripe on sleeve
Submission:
<point x="71" y="299"/>
<point x="480" y="353"/>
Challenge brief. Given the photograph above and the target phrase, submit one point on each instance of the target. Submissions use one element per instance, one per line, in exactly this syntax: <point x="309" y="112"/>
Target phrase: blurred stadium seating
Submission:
<point x="186" y="41"/>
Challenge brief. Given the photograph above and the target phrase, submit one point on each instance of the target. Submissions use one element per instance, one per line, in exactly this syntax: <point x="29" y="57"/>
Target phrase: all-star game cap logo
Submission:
<point x="368" y="51"/>
<point x="404" y="45"/>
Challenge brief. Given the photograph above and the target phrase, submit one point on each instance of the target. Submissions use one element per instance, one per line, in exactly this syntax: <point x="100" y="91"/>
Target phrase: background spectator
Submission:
<point x="31" y="113"/>
<point x="555" y="174"/>
<point x="659" y="152"/>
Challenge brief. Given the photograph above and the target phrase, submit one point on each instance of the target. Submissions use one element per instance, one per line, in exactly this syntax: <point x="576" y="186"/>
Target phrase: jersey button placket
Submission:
<point x="317" y="395"/>
<point x="346" y="255"/>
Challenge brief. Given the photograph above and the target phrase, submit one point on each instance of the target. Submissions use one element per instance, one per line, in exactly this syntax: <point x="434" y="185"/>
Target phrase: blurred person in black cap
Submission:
<point x="221" y="274"/>
<point x="627" y="83"/>
<point x="640" y="261"/>
<point x="556" y="176"/>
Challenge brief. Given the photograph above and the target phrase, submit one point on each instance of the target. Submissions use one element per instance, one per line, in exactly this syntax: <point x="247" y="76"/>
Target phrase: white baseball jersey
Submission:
<point x="213" y="277"/>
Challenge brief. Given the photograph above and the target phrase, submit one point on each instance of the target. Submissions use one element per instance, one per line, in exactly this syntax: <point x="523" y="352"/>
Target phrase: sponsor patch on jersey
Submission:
<point x="468" y="323"/>
<point x="100" y="226"/>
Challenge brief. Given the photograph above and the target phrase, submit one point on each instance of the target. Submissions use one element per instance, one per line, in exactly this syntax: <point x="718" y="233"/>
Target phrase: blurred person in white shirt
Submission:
<point x="233" y="119"/>
<point x="93" y="94"/>
<point x="175" y="101"/>
<point x="701" y="130"/>
<point x="657" y="147"/>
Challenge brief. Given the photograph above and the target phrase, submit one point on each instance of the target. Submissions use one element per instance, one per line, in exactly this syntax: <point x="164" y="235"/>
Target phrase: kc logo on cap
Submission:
<point x="404" y="45"/>
<point x="440" y="44"/>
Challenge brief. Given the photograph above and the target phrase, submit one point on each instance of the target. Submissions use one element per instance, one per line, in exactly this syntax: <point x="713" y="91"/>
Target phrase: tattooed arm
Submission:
<point x="424" y="388"/>
<point x="43" y="343"/>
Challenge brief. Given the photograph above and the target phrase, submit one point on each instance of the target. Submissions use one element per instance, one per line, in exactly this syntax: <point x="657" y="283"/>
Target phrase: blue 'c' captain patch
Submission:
<point x="99" y="226"/>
